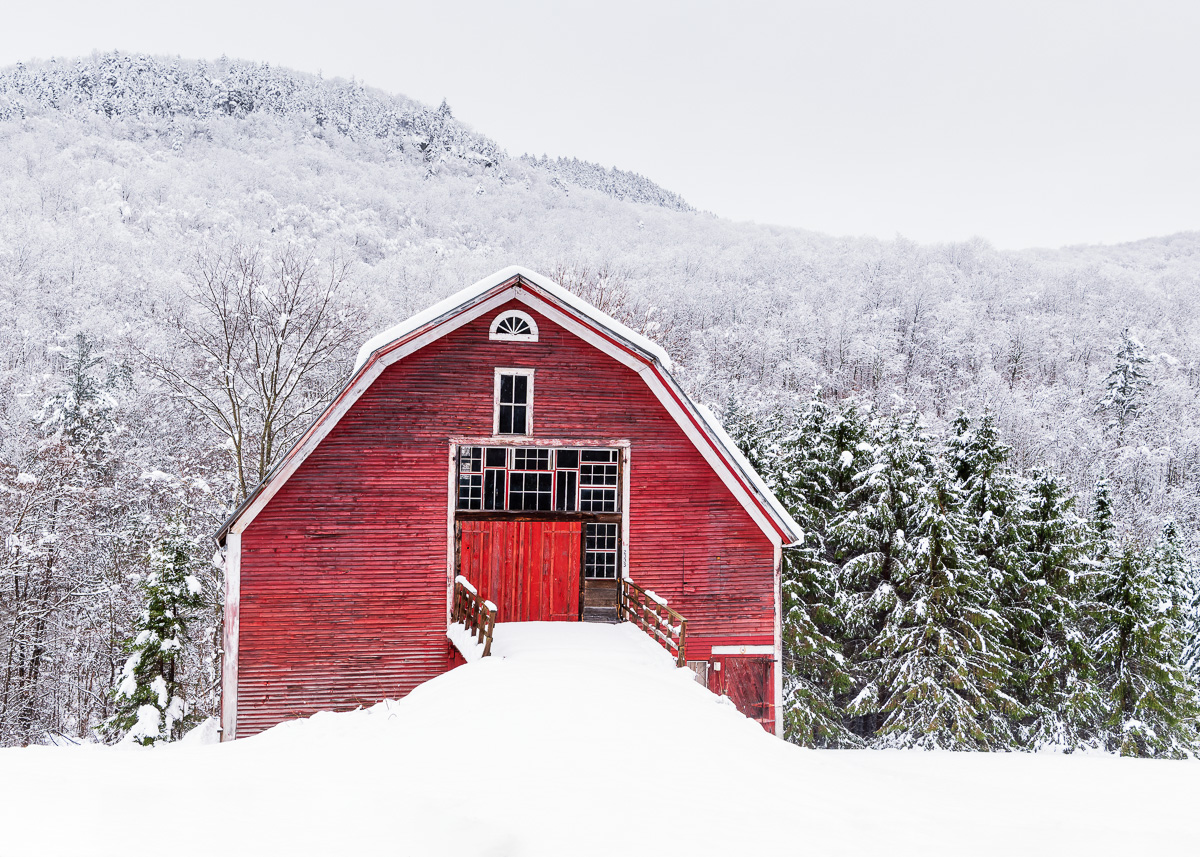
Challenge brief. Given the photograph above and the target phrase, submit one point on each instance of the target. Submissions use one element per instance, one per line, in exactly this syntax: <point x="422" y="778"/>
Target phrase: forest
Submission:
<point x="994" y="454"/>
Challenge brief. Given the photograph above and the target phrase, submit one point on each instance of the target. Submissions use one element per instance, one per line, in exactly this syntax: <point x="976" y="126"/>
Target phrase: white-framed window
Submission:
<point x="514" y="326"/>
<point x="513" y="402"/>
<point x="600" y="551"/>
<point x="538" y="479"/>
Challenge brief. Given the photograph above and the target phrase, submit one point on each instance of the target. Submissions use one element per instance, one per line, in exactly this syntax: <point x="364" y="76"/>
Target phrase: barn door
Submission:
<point x="529" y="569"/>
<point x="747" y="683"/>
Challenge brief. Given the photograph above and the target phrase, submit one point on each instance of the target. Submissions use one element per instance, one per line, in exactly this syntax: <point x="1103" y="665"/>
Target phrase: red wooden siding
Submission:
<point x="528" y="569"/>
<point x="344" y="580"/>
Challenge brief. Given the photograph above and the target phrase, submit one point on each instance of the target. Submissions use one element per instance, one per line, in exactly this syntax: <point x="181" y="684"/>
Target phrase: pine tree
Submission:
<point x="797" y="457"/>
<point x="1152" y="701"/>
<point x="1173" y="568"/>
<point x="941" y="659"/>
<point x="1048" y="603"/>
<point x="1191" y="630"/>
<point x="151" y="703"/>
<point x="1126" y="382"/>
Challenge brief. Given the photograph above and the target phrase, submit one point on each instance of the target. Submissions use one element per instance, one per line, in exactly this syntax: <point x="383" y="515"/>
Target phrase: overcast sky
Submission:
<point x="1037" y="123"/>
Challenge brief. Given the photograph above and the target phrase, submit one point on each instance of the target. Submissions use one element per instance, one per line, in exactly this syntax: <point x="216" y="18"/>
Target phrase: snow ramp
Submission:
<point x="577" y="739"/>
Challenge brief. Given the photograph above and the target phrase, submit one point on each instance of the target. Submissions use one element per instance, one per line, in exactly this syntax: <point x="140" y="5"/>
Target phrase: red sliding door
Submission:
<point x="529" y="569"/>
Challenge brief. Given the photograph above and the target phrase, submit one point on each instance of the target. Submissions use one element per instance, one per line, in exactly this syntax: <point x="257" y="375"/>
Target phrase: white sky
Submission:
<point x="1028" y="123"/>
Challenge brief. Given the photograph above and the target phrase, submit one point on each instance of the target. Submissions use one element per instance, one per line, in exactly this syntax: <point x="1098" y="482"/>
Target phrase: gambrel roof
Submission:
<point x="580" y="318"/>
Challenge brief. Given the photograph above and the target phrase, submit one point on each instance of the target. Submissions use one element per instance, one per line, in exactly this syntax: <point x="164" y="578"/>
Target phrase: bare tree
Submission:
<point x="607" y="288"/>
<point x="262" y="345"/>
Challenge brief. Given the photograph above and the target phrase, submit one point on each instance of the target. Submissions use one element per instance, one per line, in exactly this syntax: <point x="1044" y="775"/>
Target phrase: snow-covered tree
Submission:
<point x="799" y="459"/>
<point x="151" y="701"/>
<point x="1046" y="597"/>
<point x="1125" y="384"/>
<point x="260" y="347"/>
<point x="1152" y="700"/>
<point x="940" y="656"/>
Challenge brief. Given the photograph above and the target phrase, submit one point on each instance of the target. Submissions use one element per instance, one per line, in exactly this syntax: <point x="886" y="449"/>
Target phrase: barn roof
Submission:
<point x="548" y="297"/>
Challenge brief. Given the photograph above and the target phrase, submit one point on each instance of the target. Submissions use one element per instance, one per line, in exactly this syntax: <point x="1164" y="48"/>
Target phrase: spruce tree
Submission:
<point x="150" y="699"/>
<point x="797" y="458"/>
<point x="1152" y="701"/>
<point x="1048" y="600"/>
<point x="1126" y="382"/>
<point x="941" y="659"/>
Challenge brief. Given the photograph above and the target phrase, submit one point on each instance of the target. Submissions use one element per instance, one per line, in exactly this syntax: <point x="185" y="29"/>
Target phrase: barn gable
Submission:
<point x="573" y="314"/>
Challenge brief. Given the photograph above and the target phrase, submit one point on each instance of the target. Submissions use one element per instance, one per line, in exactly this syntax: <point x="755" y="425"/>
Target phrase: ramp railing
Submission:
<point x="475" y="614"/>
<point x="651" y="613"/>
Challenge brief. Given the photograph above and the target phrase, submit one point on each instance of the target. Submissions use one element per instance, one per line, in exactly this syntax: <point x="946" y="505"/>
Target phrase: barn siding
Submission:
<point x="343" y="573"/>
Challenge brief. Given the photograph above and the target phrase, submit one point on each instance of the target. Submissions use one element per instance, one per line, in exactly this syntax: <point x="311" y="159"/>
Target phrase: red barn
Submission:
<point x="516" y="436"/>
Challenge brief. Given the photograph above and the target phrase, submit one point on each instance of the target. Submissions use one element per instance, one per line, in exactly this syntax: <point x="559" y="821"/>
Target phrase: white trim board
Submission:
<point x="743" y="650"/>
<point x="230" y="636"/>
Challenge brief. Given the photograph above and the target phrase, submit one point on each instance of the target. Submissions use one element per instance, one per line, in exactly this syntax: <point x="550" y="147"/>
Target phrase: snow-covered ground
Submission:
<point x="577" y="739"/>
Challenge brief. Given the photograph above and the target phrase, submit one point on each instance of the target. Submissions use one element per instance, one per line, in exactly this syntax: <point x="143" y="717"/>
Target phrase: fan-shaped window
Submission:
<point x="514" y="326"/>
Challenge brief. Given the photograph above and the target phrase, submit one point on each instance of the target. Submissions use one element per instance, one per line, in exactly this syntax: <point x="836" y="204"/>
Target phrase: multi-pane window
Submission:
<point x="598" y="480"/>
<point x="600" y="551"/>
<point x="537" y="479"/>
<point x="514" y="401"/>
<point x="530" y="481"/>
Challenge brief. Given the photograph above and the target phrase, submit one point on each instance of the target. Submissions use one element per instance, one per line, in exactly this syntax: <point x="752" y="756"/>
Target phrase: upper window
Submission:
<point x="538" y="479"/>
<point x="513" y="402"/>
<point x="514" y="326"/>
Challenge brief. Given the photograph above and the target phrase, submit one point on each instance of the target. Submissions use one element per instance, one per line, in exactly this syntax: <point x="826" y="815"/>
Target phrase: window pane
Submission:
<point x="567" y="458"/>
<point x="506" y="420"/>
<point x="506" y="388"/>
<point x="521" y="391"/>
<point x="566" y="491"/>
<point x="599" y="455"/>
<point x="468" y="459"/>
<point x="493" y="490"/>
<point x="497" y="456"/>
<point x="531" y="459"/>
<point x="469" y="490"/>
<point x="517" y="419"/>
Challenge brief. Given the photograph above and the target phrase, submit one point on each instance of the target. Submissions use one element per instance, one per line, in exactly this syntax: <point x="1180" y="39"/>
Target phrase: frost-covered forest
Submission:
<point x="163" y="222"/>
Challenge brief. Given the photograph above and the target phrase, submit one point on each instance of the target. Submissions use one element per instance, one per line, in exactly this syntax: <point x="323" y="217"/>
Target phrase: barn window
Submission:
<point x="600" y="551"/>
<point x="537" y="479"/>
<point x="513" y="401"/>
<point x="598" y="480"/>
<point x="514" y="326"/>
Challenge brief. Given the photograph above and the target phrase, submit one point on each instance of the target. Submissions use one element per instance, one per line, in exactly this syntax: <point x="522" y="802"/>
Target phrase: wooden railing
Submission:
<point x="651" y="613"/>
<point x="476" y="614"/>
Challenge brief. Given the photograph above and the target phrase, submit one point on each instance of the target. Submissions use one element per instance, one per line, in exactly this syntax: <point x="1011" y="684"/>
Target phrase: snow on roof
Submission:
<point x="470" y="293"/>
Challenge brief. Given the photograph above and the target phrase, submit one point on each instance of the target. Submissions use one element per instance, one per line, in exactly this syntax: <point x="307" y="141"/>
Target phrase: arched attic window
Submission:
<point x="515" y="326"/>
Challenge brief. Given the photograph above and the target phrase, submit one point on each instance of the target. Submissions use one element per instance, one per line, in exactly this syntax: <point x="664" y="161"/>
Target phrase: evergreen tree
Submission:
<point x="1152" y="701"/>
<point x="1191" y="630"/>
<point x="798" y="459"/>
<point x="1173" y="568"/>
<point x="1048" y="603"/>
<point x="151" y="703"/>
<point x="941" y="659"/>
<point x="1126" y="382"/>
<point x="1101" y="521"/>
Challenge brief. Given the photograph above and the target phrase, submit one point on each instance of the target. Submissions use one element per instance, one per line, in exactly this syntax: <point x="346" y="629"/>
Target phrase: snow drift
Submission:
<point x="576" y="739"/>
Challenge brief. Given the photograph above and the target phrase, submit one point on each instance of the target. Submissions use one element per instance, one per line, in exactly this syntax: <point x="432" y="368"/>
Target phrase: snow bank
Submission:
<point x="507" y="755"/>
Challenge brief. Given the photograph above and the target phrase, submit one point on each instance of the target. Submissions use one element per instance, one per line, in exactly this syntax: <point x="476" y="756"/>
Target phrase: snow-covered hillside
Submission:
<point x="580" y="740"/>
